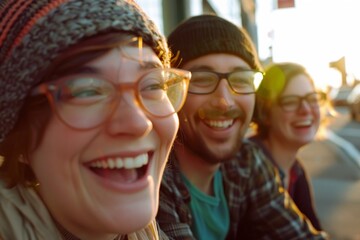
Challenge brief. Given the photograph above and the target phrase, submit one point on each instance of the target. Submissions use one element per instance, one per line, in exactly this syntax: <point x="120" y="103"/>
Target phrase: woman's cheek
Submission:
<point x="167" y="128"/>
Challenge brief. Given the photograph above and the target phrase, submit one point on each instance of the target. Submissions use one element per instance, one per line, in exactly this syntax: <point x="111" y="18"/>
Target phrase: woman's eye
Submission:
<point x="87" y="92"/>
<point x="84" y="91"/>
<point x="155" y="86"/>
<point x="83" y="96"/>
<point x="152" y="82"/>
<point x="152" y="89"/>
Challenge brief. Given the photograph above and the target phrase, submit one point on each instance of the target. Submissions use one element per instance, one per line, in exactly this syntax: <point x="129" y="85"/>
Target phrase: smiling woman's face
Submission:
<point x="295" y="128"/>
<point x="106" y="179"/>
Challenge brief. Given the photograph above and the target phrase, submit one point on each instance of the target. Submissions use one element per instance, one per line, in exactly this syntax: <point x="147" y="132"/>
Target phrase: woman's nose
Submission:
<point x="129" y="118"/>
<point x="304" y="106"/>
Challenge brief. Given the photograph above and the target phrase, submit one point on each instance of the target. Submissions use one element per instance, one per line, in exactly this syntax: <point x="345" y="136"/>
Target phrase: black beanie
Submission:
<point x="206" y="34"/>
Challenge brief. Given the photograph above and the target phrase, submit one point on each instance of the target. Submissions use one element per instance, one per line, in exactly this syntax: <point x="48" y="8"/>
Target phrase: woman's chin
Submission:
<point x="135" y="222"/>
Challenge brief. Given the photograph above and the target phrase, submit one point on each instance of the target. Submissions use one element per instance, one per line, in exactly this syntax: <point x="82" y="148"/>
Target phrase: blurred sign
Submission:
<point x="341" y="67"/>
<point x="285" y="3"/>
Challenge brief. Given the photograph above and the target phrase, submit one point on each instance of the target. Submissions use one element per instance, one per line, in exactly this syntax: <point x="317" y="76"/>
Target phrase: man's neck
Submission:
<point x="196" y="169"/>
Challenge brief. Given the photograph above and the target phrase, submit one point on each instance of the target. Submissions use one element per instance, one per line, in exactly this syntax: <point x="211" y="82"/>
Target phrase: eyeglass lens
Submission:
<point x="205" y="82"/>
<point x="87" y="102"/>
<point x="292" y="103"/>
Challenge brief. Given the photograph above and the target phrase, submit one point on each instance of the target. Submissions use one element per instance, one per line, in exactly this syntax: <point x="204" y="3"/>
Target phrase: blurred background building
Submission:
<point x="314" y="33"/>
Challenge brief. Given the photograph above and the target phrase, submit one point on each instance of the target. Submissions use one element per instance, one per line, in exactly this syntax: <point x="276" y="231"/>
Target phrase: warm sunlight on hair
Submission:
<point x="257" y="79"/>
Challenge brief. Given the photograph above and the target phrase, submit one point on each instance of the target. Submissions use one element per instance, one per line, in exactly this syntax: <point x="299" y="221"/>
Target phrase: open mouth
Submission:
<point x="303" y="124"/>
<point x="219" y="124"/>
<point x="123" y="170"/>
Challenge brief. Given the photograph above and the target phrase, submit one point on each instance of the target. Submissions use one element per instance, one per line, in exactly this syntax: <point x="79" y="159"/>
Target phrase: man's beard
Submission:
<point x="202" y="150"/>
<point x="198" y="146"/>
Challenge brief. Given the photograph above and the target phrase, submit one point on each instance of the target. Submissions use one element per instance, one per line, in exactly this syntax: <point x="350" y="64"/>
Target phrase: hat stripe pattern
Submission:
<point x="2" y="5"/>
<point x="10" y="14"/>
<point x="42" y="12"/>
<point x="23" y="18"/>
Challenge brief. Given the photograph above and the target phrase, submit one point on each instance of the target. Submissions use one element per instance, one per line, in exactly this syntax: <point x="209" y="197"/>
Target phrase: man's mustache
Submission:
<point x="216" y="114"/>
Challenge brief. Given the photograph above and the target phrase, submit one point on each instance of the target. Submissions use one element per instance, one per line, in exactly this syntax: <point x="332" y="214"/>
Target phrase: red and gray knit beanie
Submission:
<point x="35" y="32"/>
<point x="206" y="34"/>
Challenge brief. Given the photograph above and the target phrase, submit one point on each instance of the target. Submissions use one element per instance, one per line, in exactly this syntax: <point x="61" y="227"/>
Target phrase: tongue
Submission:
<point x="119" y="175"/>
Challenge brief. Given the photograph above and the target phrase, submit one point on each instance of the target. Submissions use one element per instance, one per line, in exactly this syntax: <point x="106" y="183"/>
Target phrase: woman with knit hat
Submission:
<point x="218" y="185"/>
<point x="88" y="108"/>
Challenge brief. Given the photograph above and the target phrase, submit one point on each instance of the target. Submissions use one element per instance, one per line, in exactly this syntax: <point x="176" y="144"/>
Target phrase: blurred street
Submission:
<point x="334" y="167"/>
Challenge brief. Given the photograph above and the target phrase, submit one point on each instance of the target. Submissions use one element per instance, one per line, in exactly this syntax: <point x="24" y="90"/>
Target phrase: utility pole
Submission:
<point x="248" y="9"/>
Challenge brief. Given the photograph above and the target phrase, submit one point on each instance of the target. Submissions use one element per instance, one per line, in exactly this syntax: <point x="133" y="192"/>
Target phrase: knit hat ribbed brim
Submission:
<point x="206" y="34"/>
<point x="34" y="32"/>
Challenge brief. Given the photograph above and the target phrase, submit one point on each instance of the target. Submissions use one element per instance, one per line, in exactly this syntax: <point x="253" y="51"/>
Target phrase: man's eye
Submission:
<point x="241" y="81"/>
<point x="202" y="80"/>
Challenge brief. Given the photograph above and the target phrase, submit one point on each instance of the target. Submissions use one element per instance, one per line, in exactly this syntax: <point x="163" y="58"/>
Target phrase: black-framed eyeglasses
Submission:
<point x="292" y="103"/>
<point x="87" y="102"/>
<point x="240" y="81"/>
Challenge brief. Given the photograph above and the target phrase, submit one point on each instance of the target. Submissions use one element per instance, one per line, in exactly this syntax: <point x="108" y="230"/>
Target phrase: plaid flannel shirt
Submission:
<point x="259" y="207"/>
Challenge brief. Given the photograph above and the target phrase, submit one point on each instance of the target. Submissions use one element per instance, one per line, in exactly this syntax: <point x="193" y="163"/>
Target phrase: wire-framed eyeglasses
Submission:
<point x="87" y="102"/>
<point x="240" y="81"/>
<point x="292" y="103"/>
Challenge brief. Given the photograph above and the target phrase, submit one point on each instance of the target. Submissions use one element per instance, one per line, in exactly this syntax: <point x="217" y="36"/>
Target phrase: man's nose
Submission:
<point x="224" y="95"/>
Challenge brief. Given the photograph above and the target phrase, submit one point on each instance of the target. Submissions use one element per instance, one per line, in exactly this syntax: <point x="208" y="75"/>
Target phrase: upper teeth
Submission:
<point x="303" y="123"/>
<point x="219" y="123"/>
<point x="118" y="162"/>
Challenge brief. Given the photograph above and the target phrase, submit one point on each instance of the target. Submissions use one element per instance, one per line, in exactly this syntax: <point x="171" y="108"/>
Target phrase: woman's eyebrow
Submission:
<point x="82" y="70"/>
<point x="85" y="69"/>
<point x="88" y="69"/>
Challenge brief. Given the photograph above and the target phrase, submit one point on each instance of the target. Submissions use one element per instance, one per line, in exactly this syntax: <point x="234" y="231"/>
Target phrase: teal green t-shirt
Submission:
<point x="211" y="217"/>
